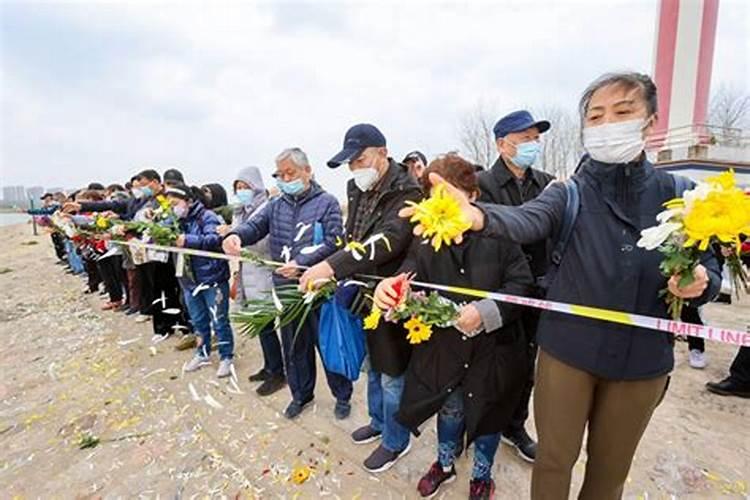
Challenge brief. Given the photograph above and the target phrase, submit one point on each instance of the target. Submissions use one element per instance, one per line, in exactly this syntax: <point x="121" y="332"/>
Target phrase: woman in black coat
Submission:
<point x="471" y="374"/>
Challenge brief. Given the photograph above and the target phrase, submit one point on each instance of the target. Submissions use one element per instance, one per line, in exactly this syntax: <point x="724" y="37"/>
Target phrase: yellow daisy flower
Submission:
<point x="102" y="222"/>
<point x="373" y="319"/>
<point x="163" y="202"/>
<point x="300" y="474"/>
<point x="418" y="331"/>
<point x="441" y="217"/>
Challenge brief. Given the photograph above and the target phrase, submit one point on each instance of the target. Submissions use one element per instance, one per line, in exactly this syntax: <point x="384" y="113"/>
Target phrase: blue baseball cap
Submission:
<point x="518" y="121"/>
<point x="356" y="140"/>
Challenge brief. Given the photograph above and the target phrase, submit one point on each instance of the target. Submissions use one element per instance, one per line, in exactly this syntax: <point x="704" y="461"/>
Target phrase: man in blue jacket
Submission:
<point x="304" y="224"/>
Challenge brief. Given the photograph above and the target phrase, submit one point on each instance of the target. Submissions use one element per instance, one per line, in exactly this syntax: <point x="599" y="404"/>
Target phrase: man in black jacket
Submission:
<point x="379" y="189"/>
<point x="513" y="181"/>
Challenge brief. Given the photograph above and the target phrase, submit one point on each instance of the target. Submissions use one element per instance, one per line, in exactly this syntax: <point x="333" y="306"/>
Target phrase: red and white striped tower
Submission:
<point x="683" y="61"/>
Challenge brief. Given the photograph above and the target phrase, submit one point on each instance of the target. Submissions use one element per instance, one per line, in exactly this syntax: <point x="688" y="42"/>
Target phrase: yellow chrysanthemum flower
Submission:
<point x="300" y="474"/>
<point x="441" y="217"/>
<point x="722" y="212"/>
<point x="102" y="222"/>
<point x="373" y="319"/>
<point x="418" y="331"/>
<point x="163" y="202"/>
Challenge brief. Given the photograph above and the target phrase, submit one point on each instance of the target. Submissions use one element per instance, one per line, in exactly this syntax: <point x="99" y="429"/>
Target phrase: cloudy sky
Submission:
<point x="98" y="91"/>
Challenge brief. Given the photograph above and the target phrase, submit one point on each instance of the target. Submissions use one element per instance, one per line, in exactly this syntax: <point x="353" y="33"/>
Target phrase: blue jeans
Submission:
<point x="383" y="400"/>
<point x="273" y="361"/>
<point x="210" y="309"/>
<point x="450" y="429"/>
<point x="299" y="355"/>
<point x="74" y="260"/>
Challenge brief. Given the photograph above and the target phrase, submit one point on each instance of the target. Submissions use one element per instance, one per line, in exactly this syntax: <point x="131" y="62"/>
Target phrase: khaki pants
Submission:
<point x="617" y="413"/>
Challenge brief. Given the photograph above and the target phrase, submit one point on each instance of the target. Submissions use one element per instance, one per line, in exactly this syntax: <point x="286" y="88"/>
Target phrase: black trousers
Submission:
<point x="160" y="296"/>
<point x="690" y="314"/>
<point x="530" y="320"/>
<point x="58" y="242"/>
<point x="113" y="275"/>
<point x="740" y="369"/>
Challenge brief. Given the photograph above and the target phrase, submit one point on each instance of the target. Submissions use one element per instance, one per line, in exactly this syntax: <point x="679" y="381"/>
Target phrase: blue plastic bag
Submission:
<point x="342" y="339"/>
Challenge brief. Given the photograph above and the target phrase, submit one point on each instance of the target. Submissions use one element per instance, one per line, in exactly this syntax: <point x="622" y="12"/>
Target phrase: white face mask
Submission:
<point x="365" y="178"/>
<point x="620" y="142"/>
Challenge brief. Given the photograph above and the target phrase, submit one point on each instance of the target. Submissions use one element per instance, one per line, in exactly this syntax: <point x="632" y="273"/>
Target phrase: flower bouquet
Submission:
<point x="715" y="211"/>
<point x="421" y="311"/>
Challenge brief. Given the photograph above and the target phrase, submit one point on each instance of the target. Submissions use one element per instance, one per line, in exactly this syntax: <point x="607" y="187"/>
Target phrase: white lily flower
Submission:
<point x="666" y="215"/>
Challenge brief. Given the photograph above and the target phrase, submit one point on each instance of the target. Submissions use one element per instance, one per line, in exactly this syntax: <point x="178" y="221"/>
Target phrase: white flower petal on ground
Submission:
<point x="653" y="237"/>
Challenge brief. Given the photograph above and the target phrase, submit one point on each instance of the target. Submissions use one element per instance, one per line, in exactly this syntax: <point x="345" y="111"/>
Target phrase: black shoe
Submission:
<point x="365" y="434"/>
<point x="295" y="408"/>
<point x="383" y="459"/>
<point x="481" y="490"/>
<point x="272" y="384"/>
<point x="260" y="376"/>
<point x="724" y="298"/>
<point x="342" y="410"/>
<point x="522" y="442"/>
<point x="729" y="387"/>
<point x="430" y="484"/>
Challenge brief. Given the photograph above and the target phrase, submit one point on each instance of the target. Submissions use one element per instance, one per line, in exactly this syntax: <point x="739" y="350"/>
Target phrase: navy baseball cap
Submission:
<point x="518" y="121"/>
<point x="356" y="140"/>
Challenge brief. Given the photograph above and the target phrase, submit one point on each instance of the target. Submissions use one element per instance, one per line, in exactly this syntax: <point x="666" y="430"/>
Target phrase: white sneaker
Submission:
<point x="196" y="363"/>
<point x="225" y="368"/>
<point x="697" y="359"/>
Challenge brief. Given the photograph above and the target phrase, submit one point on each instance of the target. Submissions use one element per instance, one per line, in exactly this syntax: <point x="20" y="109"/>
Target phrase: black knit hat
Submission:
<point x="174" y="176"/>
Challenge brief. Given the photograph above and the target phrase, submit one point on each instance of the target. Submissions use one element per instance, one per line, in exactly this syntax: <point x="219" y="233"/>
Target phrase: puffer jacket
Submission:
<point x="200" y="234"/>
<point x="302" y="228"/>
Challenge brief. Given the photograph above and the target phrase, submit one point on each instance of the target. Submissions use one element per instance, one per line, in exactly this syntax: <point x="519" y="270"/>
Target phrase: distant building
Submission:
<point x="14" y="195"/>
<point x="34" y="193"/>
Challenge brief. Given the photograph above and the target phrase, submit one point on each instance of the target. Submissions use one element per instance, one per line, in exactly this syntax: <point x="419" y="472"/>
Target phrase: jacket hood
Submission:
<point x="251" y="176"/>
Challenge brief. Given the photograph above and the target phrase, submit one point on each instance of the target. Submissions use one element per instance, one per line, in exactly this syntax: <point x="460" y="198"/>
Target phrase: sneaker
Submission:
<point x="366" y="434"/>
<point x="124" y="307"/>
<point x="271" y="385"/>
<point x="481" y="490"/>
<point x="109" y="306"/>
<point x="196" y="363"/>
<point x="187" y="342"/>
<point x="430" y="484"/>
<point x="697" y="359"/>
<point x="225" y="368"/>
<point x="342" y="410"/>
<point x="295" y="408"/>
<point x="382" y="459"/>
<point x="260" y="376"/>
<point x="130" y="312"/>
<point x="724" y="298"/>
<point x="142" y="318"/>
<point x="522" y="442"/>
<point x="729" y="387"/>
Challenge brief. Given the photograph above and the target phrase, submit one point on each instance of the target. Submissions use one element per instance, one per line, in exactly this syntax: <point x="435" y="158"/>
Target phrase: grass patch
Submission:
<point x="29" y="243"/>
<point x="5" y="270"/>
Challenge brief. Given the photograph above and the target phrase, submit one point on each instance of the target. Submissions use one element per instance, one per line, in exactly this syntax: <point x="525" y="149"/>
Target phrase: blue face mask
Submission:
<point x="292" y="188"/>
<point x="147" y="192"/>
<point x="245" y="196"/>
<point x="526" y="154"/>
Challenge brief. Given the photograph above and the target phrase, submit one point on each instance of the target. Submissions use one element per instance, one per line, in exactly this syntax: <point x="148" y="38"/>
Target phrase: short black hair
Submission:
<point x="95" y="186"/>
<point x="149" y="174"/>
<point x="629" y="80"/>
<point x="115" y="187"/>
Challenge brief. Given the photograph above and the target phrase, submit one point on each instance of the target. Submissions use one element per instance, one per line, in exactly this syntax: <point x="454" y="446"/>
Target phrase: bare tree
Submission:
<point x="477" y="140"/>
<point x="561" y="144"/>
<point x="729" y="115"/>
<point x="729" y="108"/>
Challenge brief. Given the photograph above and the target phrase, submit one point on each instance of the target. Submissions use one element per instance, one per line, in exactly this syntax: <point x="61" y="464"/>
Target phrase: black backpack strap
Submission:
<point x="572" y="207"/>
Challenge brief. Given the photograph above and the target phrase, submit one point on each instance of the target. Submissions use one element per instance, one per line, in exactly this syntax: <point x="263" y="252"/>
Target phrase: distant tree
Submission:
<point x="729" y="115"/>
<point x="476" y="137"/>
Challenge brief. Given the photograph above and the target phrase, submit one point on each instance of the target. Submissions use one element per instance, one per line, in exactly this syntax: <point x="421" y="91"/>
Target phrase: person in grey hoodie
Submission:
<point x="254" y="281"/>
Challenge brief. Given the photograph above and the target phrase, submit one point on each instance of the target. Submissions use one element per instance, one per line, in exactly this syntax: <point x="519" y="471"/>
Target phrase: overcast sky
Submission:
<point x="100" y="91"/>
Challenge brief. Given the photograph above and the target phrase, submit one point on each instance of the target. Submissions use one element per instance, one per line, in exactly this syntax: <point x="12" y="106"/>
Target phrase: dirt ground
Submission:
<point x="69" y="370"/>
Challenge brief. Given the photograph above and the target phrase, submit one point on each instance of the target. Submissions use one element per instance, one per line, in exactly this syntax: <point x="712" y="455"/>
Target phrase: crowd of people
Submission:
<point x="477" y="375"/>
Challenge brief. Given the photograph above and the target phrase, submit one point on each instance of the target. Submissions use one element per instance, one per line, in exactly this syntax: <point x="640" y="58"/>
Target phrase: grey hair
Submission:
<point x="627" y="79"/>
<point x="298" y="157"/>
